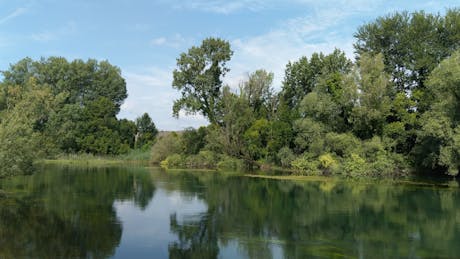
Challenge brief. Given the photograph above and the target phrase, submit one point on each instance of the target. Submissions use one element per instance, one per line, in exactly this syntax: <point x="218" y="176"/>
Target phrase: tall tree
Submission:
<point x="88" y="96"/>
<point x="259" y="92"/>
<point x="438" y="140"/>
<point x="20" y="142"/>
<point x="199" y="78"/>
<point x="412" y="44"/>
<point x="374" y="101"/>
<point x="146" y="130"/>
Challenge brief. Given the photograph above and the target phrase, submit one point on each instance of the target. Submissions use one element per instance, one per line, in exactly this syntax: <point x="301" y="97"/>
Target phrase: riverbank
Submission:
<point x="135" y="157"/>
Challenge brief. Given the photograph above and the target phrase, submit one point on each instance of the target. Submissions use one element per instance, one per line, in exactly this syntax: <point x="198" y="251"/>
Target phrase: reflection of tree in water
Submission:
<point x="67" y="213"/>
<point x="197" y="238"/>
<point x="316" y="219"/>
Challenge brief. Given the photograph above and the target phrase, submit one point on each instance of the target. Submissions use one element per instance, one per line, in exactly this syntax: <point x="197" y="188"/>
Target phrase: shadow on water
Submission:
<point x="67" y="213"/>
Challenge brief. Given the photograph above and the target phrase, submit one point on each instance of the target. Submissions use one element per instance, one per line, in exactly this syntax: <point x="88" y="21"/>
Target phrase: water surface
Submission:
<point x="64" y="212"/>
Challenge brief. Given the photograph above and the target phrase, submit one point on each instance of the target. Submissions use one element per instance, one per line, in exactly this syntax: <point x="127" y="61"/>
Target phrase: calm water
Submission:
<point x="146" y="213"/>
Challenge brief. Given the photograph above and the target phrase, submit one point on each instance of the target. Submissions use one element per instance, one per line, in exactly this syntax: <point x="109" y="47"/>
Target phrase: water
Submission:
<point x="146" y="213"/>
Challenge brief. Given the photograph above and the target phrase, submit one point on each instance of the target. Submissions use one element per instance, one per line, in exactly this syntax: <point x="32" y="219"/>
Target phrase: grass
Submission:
<point x="134" y="157"/>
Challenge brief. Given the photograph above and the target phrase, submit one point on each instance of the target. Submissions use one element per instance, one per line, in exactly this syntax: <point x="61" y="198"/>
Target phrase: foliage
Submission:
<point x="87" y="95"/>
<point x="412" y="44"/>
<point x="199" y="78"/>
<point x="193" y="140"/>
<point x="146" y="131"/>
<point x="19" y="144"/>
<point x="166" y="145"/>
<point x="306" y="164"/>
<point x="373" y="107"/>
<point x="285" y="157"/>
<point x="396" y="107"/>
<point x="259" y="93"/>
<point x="230" y="163"/>
<point x="438" y="146"/>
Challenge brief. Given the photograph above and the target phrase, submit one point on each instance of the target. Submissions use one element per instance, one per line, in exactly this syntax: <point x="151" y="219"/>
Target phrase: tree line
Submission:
<point x="394" y="110"/>
<point x="53" y="106"/>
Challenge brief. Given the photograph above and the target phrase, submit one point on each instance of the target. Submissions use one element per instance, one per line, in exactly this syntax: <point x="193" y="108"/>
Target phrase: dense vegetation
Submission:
<point x="394" y="110"/>
<point x="52" y="106"/>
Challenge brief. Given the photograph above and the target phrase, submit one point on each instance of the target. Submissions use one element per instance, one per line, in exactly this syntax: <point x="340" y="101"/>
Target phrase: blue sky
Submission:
<point x="144" y="37"/>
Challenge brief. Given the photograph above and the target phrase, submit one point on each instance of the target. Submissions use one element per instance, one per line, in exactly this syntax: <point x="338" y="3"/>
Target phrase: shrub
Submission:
<point x="166" y="145"/>
<point x="354" y="166"/>
<point x="285" y="157"/>
<point x="204" y="159"/>
<point x="230" y="163"/>
<point x="328" y="164"/>
<point x="306" y="165"/>
<point x="342" y="144"/>
<point x="173" y="161"/>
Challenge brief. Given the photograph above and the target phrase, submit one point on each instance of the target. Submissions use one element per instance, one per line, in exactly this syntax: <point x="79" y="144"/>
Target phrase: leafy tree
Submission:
<point x="19" y="143"/>
<point x="146" y="130"/>
<point x="412" y="44"/>
<point x="88" y="96"/>
<point x="257" y="137"/>
<point x="303" y="76"/>
<point x="374" y="101"/>
<point x="166" y="145"/>
<point x="83" y="82"/>
<point x="236" y="120"/>
<point x="438" y="140"/>
<point x="128" y="131"/>
<point x="193" y="140"/>
<point x="199" y="78"/>
<point x="259" y="93"/>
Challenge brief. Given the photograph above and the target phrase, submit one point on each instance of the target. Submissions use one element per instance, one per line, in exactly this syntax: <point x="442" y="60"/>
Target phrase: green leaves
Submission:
<point x="199" y="78"/>
<point x="438" y="139"/>
<point x="412" y="44"/>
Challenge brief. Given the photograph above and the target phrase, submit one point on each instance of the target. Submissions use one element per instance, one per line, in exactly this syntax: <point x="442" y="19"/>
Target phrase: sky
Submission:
<point x="145" y="37"/>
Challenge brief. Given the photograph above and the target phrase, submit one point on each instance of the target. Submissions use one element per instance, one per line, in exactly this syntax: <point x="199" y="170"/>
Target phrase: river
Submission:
<point x="135" y="212"/>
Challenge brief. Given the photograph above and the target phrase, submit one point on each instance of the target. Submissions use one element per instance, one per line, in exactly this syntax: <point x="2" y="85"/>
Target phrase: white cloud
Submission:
<point x="159" y="41"/>
<point x="176" y="41"/>
<point x="19" y="11"/>
<point x="52" y="35"/>
<point x="294" y="38"/>
<point x="151" y="91"/>
<point x="222" y="6"/>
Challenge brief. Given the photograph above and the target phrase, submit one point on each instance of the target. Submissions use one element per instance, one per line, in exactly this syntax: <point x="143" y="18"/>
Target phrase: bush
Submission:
<point x="173" y="161"/>
<point x="166" y="145"/>
<point x="328" y="164"/>
<point x="382" y="166"/>
<point x="230" y="163"/>
<point x="306" y="165"/>
<point x="285" y="157"/>
<point x="342" y="144"/>
<point x="204" y="159"/>
<point x="354" y="166"/>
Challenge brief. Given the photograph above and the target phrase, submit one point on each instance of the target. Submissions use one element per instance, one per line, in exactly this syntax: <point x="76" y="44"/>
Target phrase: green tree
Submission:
<point x="236" y="120"/>
<point x="146" y="130"/>
<point x="259" y="93"/>
<point x="193" y="140"/>
<point x="128" y="131"/>
<point x="88" y="96"/>
<point x="412" y="44"/>
<point x="20" y="144"/>
<point x="199" y="78"/>
<point x="374" y="99"/>
<point x="83" y="82"/>
<point x="303" y="76"/>
<point x="438" y="140"/>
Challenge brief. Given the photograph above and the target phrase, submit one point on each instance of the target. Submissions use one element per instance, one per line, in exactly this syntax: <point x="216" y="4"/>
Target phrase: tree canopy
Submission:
<point x="199" y="78"/>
